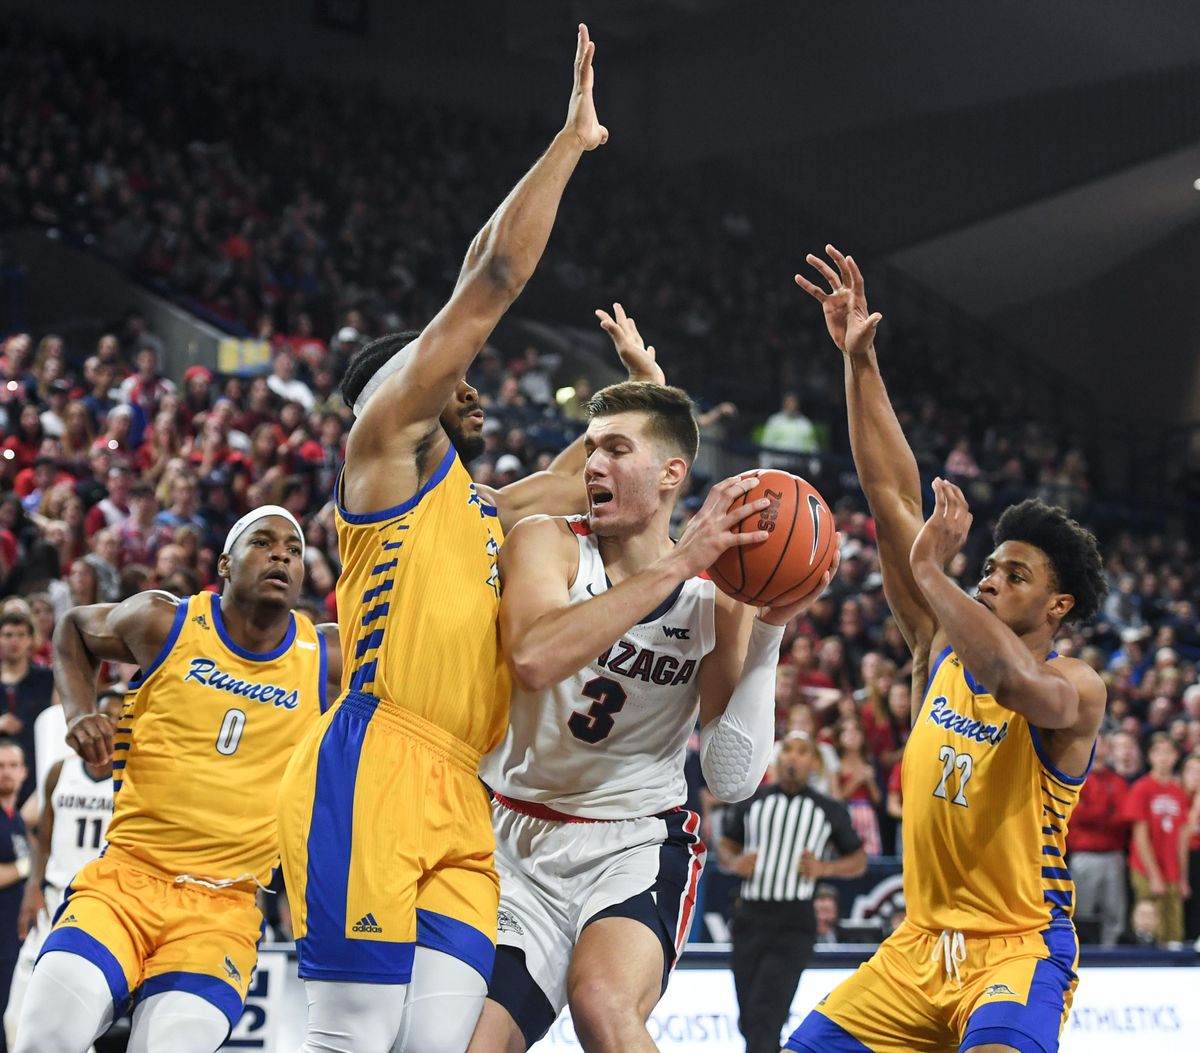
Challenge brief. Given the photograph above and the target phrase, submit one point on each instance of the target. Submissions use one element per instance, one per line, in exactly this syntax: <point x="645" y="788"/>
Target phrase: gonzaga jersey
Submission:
<point x="83" y="807"/>
<point x="609" y="742"/>
<point x="985" y="814"/>
<point x="203" y="741"/>
<point x="418" y="604"/>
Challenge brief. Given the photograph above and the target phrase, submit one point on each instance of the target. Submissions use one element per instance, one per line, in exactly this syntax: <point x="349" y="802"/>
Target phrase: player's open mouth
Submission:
<point x="278" y="577"/>
<point x="600" y="497"/>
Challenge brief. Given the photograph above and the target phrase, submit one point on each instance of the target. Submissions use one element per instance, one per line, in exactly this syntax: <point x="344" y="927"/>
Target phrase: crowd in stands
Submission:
<point x="316" y="219"/>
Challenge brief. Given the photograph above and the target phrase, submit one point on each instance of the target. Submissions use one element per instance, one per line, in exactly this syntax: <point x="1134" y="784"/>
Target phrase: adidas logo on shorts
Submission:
<point x="367" y="923"/>
<point x="68" y="918"/>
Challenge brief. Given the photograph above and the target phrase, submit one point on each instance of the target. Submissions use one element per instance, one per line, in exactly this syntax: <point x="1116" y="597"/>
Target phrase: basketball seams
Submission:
<point x="787" y="541"/>
<point x="740" y="554"/>
<point x="819" y="567"/>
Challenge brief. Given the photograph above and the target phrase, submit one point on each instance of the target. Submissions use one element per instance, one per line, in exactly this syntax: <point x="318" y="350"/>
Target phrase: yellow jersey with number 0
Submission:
<point x="202" y="743"/>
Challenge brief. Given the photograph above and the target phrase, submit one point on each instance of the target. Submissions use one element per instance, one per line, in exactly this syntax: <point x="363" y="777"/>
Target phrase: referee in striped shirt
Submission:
<point x="776" y="841"/>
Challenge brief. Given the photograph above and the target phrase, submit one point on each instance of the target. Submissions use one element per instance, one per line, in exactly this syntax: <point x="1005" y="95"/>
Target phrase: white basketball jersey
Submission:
<point x="82" y="808"/>
<point x="610" y="742"/>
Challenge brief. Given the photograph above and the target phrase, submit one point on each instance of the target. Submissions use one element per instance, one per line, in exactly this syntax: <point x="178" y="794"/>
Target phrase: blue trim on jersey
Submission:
<point x="364" y="675"/>
<point x="326" y="952"/>
<point x="1031" y="1026"/>
<point x="176" y="628"/>
<point x="973" y="685"/>
<point x="375" y="612"/>
<point x="1044" y="757"/>
<point x="489" y="510"/>
<point x="212" y="989"/>
<point x="362" y="518"/>
<point x="86" y="946"/>
<point x="1060" y="800"/>
<point x="118" y="765"/>
<point x="818" y="1034"/>
<point x="937" y="664"/>
<point x="1051" y="850"/>
<point x="663" y="607"/>
<point x="440" y="932"/>
<point x="1058" y="897"/>
<point x="323" y="671"/>
<point x="120" y="746"/>
<point x="381" y="568"/>
<point x="376" y="591"/>
<point x="252" y="656"/>
<point x="368" y="643"/>
<point x="1056" y="873"/>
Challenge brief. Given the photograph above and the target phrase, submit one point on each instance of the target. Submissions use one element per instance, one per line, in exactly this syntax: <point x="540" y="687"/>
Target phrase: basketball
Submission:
<point x="802" y="545"/>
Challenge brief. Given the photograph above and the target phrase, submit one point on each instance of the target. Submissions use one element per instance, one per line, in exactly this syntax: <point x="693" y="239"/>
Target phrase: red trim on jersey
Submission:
<point x="703" y="575"/>
<point x="691" y="826"/>
<point x="543" y="811"/>
<point x="580" y="527"/>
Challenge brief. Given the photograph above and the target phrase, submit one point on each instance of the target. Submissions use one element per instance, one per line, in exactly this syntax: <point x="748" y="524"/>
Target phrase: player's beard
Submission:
<point x="468" y="447"/>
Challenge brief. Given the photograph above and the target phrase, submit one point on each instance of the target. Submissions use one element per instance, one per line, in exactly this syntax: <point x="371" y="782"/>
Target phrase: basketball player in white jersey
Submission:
<point x="70" y="832"/>
<point x="598" y="861"/>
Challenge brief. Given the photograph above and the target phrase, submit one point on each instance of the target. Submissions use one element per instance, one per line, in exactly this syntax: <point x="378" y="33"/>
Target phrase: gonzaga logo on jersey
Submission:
<point x="205" y="671"/>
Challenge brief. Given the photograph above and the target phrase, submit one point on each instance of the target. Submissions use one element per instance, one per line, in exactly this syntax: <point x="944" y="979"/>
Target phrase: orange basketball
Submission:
<point x="790" y="562"/>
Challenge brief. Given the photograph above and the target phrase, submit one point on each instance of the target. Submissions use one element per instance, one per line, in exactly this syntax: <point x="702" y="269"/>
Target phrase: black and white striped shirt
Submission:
<point x="779" y="826"/>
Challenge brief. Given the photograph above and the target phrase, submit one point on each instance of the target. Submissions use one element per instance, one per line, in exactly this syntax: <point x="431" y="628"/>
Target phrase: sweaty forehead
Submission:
<point x="1022" y="552"/>
<point x="630" y="424"/>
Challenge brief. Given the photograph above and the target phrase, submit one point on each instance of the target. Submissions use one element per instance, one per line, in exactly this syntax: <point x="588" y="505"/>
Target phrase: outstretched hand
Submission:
<point x="635" y="356"/>
<point x="581" y="113"/>
<point x="945" y="531"/>
<point x="849" y="321"/>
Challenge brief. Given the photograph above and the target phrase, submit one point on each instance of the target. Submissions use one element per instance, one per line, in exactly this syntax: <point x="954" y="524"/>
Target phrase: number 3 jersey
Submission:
<point x="203" y="740"/>
<point x="609" y="742"/>
<point x="985" y="814"/>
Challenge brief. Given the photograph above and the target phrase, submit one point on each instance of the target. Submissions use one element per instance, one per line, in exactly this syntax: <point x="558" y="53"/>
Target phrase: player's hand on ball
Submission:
<point x="713" y="529"/>
<point x="783" y="615"/>
<point x="945" y="532"/>
<point x="810" y="866"/>
<point x="635" y="356"/>
<point x="91" y="736"/>
<point x="581" y="114"/>
<point x="847" y="317"/>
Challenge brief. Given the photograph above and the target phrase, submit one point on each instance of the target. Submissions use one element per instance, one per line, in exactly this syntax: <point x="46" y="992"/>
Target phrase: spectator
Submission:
<point x="856" y="784"/>
<point x="827" y="911"/>
<point x="182" y="510"/>
<point x="774" y="926"/>
<point x="28" y="689"/>
<point x="1157" y="807"/>
<point x="1145" y="926"/>
<point x="15" y="773"/>
<point x="786" y="434"/>
<point x="1189" y="843"/>
<point x="283" y="382"/>
<point x="1096" y="846"/>
<point x="114" y="509"/>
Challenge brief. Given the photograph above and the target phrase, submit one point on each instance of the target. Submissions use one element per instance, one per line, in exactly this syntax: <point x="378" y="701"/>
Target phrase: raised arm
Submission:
<point x="500" y="260"/>
<point x="133" y="631"/>
<point x="1067" y="694"/>
<point x="887" y="469"/>
<point x="559" y="490"/>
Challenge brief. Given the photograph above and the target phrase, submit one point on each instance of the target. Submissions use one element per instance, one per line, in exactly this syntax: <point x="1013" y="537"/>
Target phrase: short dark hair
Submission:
<point x="1158" y="738"/>
<point x="17" y="618"/>
<point x="367" y="362"/>
<point x="1074" y="555"/>
<point x="671" y="416"/>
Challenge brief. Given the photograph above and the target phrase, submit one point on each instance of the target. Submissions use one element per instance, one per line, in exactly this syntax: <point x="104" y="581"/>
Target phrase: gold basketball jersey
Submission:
<point x="202" y="743"/>
<point x="985" y="814"/>
<point x="418" y="604"/>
